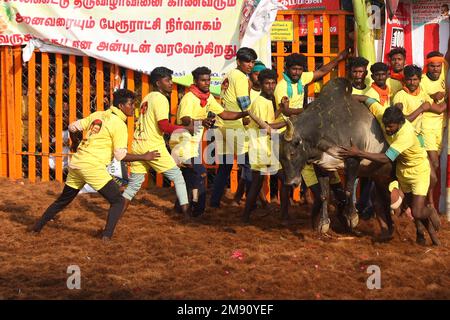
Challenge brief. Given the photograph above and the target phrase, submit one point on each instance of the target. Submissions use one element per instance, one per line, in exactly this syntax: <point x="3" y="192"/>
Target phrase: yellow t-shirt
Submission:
<point x="378" y="110"/>
<point x="367" y="82"/>
<point x="238" y="86"/>
<point x="296" y="101"/>
<point x="147" y="136"/>
<point x="394" y="87"/>
<point x="106" y="131"/>
<point x="260" y="144"/>
<point x="432" y="120"/>
<point x="410" y="104"/>
<point x="254" y="94"/>
<point x="410" y="151"/>
<point x="183" y="144"/>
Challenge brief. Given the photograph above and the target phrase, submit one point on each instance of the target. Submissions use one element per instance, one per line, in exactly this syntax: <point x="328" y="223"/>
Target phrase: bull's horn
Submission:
<point x="289" y="133"/>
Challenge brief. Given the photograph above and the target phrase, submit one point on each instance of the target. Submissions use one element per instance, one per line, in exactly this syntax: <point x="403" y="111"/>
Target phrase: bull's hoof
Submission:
<point x="324" y="226"/>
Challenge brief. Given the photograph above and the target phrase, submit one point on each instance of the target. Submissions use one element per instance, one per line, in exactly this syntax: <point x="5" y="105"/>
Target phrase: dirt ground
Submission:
<point x="154" y="255"/>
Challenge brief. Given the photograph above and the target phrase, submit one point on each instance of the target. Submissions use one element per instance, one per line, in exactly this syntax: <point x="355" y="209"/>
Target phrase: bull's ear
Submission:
<point x="289" y="133"/>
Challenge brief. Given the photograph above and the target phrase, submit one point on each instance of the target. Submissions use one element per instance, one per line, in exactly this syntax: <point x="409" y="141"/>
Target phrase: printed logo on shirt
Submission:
<point x="95" y="127"/>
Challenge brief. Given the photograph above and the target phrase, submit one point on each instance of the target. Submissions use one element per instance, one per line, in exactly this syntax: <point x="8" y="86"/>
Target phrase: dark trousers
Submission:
<point x="221" y="178"/>
<point x="195" y="179"/>
<point x="110" y="192"/>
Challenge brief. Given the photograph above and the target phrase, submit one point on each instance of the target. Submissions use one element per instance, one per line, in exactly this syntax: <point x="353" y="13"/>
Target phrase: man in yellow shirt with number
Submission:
<point x="152" y="123"/>
<point x="414" y="101"/>
<point x="199" y="107"/>
<point x="107" y="137"/>
<point x="412" y="169"/>
<point x="434" y="86"/>
<point x="230" y="136"/>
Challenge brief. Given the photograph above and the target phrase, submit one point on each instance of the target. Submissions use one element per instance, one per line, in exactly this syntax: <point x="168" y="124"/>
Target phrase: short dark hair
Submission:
<point x="296" y="59"/>
<point x="393" y="115"/>
<point x="434" y="54"/>
<point x="411" y="71"/>
<point x="200" y="71"/>
<point x="357" y="62"/>
<point x="267" y="74"/>
<point x="121" y="96"/>
<point x="246" y="54"/>
<point x="397" y="50"/>
<point x="379" y="66"/>
<point x="158" y="73"/>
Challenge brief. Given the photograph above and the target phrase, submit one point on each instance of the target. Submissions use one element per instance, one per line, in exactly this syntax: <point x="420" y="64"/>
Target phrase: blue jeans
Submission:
<point x="195" y="180"/>
<point x="223" y="173"/>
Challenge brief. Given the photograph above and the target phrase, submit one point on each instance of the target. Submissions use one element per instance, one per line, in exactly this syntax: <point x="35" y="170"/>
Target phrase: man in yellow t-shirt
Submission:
<point x="107" y="137"/>
<point x="434" y="86"/>
<point x="152" y="123"/>
<point x="295" y="77"/>
<point x="412" y="100"/>
<point x="230" y="136"/>
<point x="263" y="145"/>
<point x="358" y="75"/>
<point x="412" y="169"/>
<point x="379" y="89"/>
<point x="198" y="107"/>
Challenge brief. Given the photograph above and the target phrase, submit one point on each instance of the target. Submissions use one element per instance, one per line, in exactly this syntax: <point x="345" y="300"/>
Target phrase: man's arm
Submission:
<point x="148" y="156"/>
<point x="75" y="132"/>
<point x="438" y="108"/>
<point x="424" y="107"/>
<point x="277" y="125"/>
<point x="231" y="115"/>
<point x="319" y="73"/>
<point x="354" y="152"/>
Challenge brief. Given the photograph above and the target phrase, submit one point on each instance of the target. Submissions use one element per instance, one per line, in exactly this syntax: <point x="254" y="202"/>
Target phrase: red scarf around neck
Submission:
<point x="383" y="93"/>
<point x="397" y="75"/>
<point x="201" y="95"/>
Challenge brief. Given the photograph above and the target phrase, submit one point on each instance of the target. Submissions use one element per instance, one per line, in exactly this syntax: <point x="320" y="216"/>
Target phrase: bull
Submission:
<point x="315" y="137"/>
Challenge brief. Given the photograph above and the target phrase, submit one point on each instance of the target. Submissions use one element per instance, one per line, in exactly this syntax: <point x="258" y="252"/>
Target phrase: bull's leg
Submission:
<point x="324" y="183"/>
<point x="380" y="200"/>
<point x="351" y="169"/>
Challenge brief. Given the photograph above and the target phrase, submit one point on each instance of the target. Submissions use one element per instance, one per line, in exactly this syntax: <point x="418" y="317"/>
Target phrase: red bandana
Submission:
<point x="201" y="95"/>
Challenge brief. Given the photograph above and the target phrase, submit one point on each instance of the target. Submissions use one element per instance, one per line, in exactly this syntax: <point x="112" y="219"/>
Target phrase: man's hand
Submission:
<point x="349" y="152"/>
<point x="151" y="155"/>
<point x="284" y="104"/>
<point x="343" y="54"/>
<point x="246" y="121"/>
<point x="208" y="122"/>
<point x="438" y="96"/>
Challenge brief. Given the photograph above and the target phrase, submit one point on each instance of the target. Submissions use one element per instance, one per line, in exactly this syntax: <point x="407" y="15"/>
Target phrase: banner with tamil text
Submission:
<point x="136" y="34"/>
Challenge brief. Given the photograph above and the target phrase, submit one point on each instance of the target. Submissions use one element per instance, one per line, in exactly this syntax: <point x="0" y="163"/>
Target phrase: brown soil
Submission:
<point x="154" y="255"/>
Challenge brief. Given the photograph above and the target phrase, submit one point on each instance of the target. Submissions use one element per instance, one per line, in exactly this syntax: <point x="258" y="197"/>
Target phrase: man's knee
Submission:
<point x="134" y="185"/>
